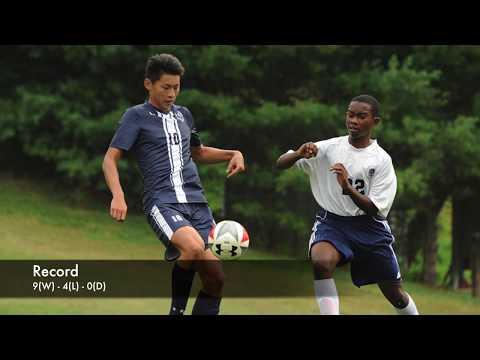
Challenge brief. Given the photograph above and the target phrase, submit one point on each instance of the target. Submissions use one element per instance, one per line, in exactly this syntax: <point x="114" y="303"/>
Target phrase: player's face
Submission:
<point x="164" y="91"/>
<point x="360" y="120"/>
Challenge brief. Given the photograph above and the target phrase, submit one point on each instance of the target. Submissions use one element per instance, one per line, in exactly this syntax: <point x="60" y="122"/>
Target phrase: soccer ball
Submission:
<point x="228" y="240"/>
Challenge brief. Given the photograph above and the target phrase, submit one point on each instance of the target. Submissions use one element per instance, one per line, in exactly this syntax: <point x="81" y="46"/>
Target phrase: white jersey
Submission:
<point x="370" y="171"/>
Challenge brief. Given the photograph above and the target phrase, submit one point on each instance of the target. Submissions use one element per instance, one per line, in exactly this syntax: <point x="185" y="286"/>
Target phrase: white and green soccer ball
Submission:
<point x="228" y="240"/>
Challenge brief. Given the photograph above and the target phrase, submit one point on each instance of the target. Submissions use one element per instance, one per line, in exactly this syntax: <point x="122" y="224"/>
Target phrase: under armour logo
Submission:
<point x="179" y="116"/>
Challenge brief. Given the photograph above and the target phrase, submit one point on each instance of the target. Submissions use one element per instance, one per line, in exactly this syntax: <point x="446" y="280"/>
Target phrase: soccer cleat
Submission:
<point x="171" y="253"/>
<point x="176" y="312"/>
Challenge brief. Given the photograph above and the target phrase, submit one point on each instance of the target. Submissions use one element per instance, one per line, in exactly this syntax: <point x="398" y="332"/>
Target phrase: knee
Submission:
<point x="324" y="265"/>
<point x="194" y="252"/>
<point x="189" y="242"/>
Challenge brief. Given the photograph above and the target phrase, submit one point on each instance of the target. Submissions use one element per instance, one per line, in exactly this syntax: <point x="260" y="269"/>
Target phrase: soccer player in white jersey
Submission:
<point x="353" y="180"/>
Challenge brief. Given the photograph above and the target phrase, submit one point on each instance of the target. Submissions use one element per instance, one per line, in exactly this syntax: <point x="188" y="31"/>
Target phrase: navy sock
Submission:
<point x="182" y="281"/>
<point x="206" y="304"/>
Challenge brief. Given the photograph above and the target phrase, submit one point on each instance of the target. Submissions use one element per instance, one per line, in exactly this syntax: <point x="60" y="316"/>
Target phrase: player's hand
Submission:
<point x="307" y="150"/>
<point x="118" y="208"/>
<point x="236" y="164"/>
<point x="342" y="176"/>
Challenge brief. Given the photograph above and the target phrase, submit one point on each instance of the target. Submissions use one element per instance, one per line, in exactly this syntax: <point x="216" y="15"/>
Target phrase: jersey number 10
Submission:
<point x="174" y="139"/>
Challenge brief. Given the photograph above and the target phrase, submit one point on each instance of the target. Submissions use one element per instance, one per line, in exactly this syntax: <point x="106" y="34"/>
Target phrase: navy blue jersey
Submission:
<point x="161" y="143"/>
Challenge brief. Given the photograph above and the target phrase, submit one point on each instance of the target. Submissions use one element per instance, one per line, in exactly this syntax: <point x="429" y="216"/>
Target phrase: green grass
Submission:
<point x="37" y="221"/>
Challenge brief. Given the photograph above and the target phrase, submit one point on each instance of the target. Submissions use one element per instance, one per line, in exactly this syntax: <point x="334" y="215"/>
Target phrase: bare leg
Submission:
<point x="325" y="259"/>
<point x="209" y="268"/>
<point x="394" y="293"/>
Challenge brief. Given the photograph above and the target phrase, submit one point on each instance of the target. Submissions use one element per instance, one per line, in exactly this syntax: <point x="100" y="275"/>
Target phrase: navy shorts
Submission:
<point x="363" y="241"/>
<point x="165" y="219"/>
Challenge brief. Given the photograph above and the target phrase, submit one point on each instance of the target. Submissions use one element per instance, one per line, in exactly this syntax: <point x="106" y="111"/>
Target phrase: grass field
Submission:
<point x="37" y="222"/>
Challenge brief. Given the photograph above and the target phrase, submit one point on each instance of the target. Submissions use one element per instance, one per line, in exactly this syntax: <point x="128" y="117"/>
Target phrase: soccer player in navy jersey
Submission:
<point x="354" y="183"/>
<point x="164" y="139"/>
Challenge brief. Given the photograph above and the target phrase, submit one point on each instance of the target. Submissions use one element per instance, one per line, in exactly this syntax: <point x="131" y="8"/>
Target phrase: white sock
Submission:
<point x="327" y="297"/>
<point x="410" y="309"/>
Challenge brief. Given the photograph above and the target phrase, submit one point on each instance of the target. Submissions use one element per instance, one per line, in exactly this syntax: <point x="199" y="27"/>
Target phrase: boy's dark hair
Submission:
<point x="368" y="99"/>
<point x="157" y="65"/>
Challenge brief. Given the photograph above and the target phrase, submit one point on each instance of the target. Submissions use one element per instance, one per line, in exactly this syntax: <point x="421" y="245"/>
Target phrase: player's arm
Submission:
<point x="118" y="207"/>
<point x="210" y="155"/>
<point x="362" y="201"/>
<point x="306" y="151"/>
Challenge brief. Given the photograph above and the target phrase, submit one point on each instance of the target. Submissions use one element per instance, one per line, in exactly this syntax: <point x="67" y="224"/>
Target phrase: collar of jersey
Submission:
<point x="148" y="103"/>
<point x="368" y="148"/>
